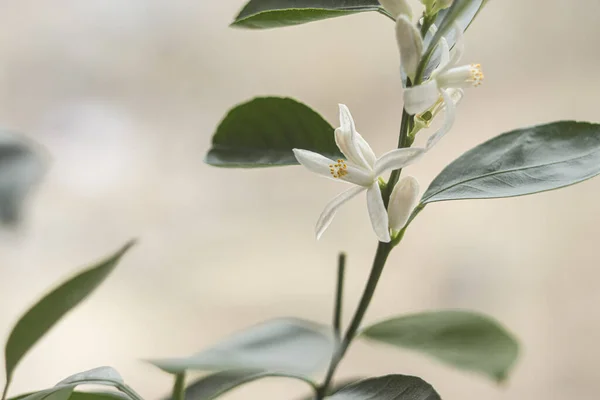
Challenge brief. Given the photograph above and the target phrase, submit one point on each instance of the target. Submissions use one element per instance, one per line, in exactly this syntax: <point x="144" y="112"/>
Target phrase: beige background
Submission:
<point x="125" y="94"/>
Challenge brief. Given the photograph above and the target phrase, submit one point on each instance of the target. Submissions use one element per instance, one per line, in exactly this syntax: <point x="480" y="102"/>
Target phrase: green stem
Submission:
<point x="179" y="387"/>
<point x="5" y="391"/>
<point x="402" y="142"/>
<point x="383" y="250"/>
<point x="339" y="295"/>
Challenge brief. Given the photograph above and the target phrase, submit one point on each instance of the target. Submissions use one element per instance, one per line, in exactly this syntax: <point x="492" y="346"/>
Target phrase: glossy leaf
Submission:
<point x="263" y="132"/>
<point x="461" y="339"/>
<point x="283" y="346"/>
<point x="107" y="374"/>
<point x="390" y="387"/>
<point x="50" y="309"/>
<point x="335" y="387"/>
<point x="21" y="169"/>
<point x="84" y="396"/>
<point x="217" y="384"/>
<point x="524" y="161"/>
<point x="263" y="14"/>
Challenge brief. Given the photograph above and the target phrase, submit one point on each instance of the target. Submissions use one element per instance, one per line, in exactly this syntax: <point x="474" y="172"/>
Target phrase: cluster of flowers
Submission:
<point x="441" y="91"/>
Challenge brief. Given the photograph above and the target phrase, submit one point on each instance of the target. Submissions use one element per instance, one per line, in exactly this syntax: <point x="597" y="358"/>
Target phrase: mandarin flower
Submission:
<point x="361" y="168"/>
<point x="418" y="99"/>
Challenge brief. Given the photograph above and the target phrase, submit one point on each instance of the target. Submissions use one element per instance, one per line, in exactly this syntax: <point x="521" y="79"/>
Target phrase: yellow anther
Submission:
<point x="476" y="74"/>
<point x="339" y="169"/>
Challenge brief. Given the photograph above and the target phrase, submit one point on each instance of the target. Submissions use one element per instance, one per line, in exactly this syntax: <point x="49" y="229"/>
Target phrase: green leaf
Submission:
<point x="104" y="374"/>
<point x="524" y="161"/>
<point x="335" y="387"/>
<point x="50" y="309"/>
<point x="21" y="169"/>
<point x="264" y="14"/>
<point x="84" y="396"/>
<point x="284" y="346"/>
<point x="263" y="132"/>
<point x="461" y="339"/>
<point x="390" y="387"/>
<point x="215" y="385"/>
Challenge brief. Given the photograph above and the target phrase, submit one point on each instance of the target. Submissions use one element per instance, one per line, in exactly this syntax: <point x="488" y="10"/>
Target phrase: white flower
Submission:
<point x="397" y="8"/>
<point x="403" y="200"/>
<point x="361" y="168"/>
<point x="448" y="102"/>
<point x="447" y="75"/>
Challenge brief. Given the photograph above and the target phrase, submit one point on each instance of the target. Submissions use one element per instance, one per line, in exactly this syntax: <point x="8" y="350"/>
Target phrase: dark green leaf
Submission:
<point x="521" y="162"/>
<point x="390" y="387"/>
<point x="21" y="168"/>
<point x="50" y="309"/>
<point x="84" y="396"/>
<point x="283" y="346"/>
<point x="97" y="396"/>
<point x="55" y="393"/>
<point x="337" y="386"/>
<point x="215" y="385"/>
<point x="263" y="132"/>
<point x="462" y="339"/>
<point x="262" y="14"/>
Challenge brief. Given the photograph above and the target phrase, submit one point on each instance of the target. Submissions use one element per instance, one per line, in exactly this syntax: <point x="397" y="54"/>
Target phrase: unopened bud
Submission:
<point x="403" y="200"/>
<point x="410" y="45"/>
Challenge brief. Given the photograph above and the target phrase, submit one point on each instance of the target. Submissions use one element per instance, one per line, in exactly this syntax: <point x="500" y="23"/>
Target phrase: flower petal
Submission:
<point x="444" y="57"/>
<point x="366" y="150"/>
<point x="358" y="176"/>
<point x="332" y="207"/>
<point x="403" y="200"/>
<point x="449" y="117"/>
<point x="459" y="46"/>
<point x="378" y="213"/>
<point x="398" y="158"/>
<point x="397" y="7"/>
<point x="347" y="140"/>
<point x="314" y="162"/>
<point x="419" y="98"/>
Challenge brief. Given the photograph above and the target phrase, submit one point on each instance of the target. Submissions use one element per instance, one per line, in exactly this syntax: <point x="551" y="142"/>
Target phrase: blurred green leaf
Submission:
<point x="217" y="384"/>
<point x="21" y="168"/>
<point x="263" y="14"/>
<point x="461" y="339"/>
<point x="106" y="374"/>
<point x="263" y="132"/>
<point x="524" y="161"/>
<point x="84" y="396"/>
<point x="55" y="393"/>
<point x="50" y="309"/>
<point x="284" y="346"/>
<point x="390" y="387"/>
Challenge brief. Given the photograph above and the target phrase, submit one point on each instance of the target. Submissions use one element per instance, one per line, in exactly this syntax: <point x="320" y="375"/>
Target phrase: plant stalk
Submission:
<point x="383" y="250"/>
<point x="339" y="295"/>
<point x="179" y="387"/>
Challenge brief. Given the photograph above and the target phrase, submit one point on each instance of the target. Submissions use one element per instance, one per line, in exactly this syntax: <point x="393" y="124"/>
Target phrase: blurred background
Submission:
<point x="125" y="95"/>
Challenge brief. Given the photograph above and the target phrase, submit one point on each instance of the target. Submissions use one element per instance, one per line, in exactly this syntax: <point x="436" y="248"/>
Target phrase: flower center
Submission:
<point x="463" y="76"/>
<point x="338" y="169"/>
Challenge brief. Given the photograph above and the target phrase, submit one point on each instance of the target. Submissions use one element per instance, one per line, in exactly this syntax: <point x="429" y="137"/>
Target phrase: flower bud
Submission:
<point x="397" y="8"/>
<point x="403" y="200"/>
<point x="410" y="45"/>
